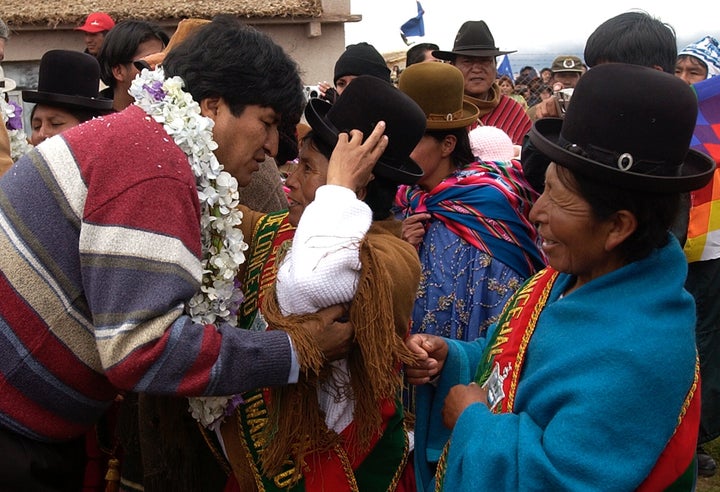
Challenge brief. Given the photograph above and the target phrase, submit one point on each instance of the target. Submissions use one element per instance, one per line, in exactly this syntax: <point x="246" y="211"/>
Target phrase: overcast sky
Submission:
<point x="526" y="26"/>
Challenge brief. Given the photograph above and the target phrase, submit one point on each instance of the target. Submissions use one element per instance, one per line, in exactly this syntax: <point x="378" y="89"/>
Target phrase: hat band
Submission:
<point x="445" y="117"/>
<point x="624" y="161"/>
<point x="476" y="47"/>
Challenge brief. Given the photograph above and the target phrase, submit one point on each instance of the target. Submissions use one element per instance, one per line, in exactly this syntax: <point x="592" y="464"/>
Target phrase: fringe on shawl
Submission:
<point x="296" y="425"/>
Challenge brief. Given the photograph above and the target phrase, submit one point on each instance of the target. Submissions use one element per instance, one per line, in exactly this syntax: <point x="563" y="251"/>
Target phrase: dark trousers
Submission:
<point x="28" y="465"/>
<point x="703" y="282"/>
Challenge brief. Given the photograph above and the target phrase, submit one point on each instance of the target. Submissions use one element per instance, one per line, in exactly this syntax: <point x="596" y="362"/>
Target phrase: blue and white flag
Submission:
<point x="414" y="26"/>
<point x="504" y="67"/>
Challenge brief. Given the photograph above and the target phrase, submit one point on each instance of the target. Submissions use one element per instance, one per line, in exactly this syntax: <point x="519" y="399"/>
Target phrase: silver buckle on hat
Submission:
<point x="445" y="117"/>
<point x="625" y="161"/>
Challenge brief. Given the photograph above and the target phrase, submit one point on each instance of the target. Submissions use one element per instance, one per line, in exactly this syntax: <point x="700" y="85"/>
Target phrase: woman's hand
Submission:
<point x="352" y="160"/>
<point x="413" y="228"/>
<point x="431" y="352"/>
<point x="458" y="399"/>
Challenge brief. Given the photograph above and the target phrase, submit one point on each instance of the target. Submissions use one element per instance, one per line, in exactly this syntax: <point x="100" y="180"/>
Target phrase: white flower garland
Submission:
<point x="223" y="245"/>
<point x="19" y="144"/>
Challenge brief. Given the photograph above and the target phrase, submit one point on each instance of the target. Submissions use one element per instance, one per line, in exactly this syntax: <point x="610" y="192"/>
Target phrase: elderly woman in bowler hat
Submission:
<point x="67" y="94"/>
<point x="589" y="380"/>
<point x="474" y="53"/>
<point x="346" y="250"/>
<point x="454" y="213"/>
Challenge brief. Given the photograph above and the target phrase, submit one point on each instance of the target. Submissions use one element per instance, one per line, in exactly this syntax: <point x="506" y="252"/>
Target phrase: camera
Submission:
<point x="563" y="98"/>
<point x="311" y="91"/>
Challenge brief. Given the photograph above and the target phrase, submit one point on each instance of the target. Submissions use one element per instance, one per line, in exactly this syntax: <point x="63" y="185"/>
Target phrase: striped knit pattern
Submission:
<point x="99" y="249"/>
<point x="510" y="117"/>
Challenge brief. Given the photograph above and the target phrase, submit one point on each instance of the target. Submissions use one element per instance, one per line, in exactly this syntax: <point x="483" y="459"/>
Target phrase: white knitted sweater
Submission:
<point x="323" y="266"/>
<point x="321" y="269"/>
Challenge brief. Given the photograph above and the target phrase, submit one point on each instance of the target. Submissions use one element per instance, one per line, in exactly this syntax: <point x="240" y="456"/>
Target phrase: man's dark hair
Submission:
<point x="228" y="59"/>
<point x="121" y="44"/>
<point x="416" y="53"/>
<point x="633" y="37"/>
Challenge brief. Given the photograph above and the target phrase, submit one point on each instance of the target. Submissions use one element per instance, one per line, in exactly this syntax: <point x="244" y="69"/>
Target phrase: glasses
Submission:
<point x="467" y="62"/>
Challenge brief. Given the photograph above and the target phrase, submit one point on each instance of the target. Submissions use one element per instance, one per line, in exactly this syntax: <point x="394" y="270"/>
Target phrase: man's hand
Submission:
<point x="352" y="160"/>
<point x="431" y="352"/>
<point x="548" y="108"/>
<point x="335" y="338"/>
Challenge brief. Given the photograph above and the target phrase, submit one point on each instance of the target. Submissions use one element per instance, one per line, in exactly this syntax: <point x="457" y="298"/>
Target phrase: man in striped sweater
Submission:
<point x="100" y="249"/>
<point x="474" y="53"/>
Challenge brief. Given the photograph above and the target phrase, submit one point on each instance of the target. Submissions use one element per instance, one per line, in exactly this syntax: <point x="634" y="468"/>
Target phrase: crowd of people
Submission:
<point x="461" y="281"/>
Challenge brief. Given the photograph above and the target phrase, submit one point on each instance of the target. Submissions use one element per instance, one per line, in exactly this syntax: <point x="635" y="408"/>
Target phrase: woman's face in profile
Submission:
<point x="309" y="174"/>
<point x="573" y="240"/>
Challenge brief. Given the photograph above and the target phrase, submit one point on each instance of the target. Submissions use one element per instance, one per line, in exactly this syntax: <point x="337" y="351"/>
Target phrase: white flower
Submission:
<point x="19" y="145"/>
<point x="223" y="244"/>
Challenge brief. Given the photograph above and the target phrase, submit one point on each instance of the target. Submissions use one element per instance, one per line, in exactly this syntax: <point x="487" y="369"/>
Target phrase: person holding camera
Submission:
<point x="566" y="71"/>
<point x="358" y="59"/>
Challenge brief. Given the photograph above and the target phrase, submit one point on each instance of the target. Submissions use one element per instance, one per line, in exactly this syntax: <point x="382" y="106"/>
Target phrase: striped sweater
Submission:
<point x="99" y="250"/>
<point x="502" y="112"/>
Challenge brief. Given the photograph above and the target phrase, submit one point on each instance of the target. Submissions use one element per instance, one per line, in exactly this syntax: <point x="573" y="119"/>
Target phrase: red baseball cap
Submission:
<point x="97" y="22"/>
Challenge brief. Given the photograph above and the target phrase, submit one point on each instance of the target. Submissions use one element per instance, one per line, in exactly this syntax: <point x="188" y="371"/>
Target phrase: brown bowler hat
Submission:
<point x="438" y="89"/>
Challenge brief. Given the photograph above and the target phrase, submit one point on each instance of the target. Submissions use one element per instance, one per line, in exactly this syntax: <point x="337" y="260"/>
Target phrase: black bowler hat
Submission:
<point x="628" y="126"/>
<point x="473" y="39"/>
<point x="366" y="101"/>
<point x="69" y="79"/>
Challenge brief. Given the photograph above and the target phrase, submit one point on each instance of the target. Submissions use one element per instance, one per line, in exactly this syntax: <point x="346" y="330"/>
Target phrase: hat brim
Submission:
<point x="470" y="114"/>
<point x="451" y="55"/>
<point x="78" y="102"/>
<point x="91" y="29"/>
<point x="695" y="172"/>
<point x="404" y="171"/>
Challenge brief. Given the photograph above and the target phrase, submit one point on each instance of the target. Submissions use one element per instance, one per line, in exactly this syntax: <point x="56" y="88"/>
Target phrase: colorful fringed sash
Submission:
<point x="486" y="204"/>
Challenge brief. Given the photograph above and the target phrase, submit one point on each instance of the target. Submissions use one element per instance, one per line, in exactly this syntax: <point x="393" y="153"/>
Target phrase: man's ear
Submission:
<point x="118" y="73"/>
<point x="209" y="107"/>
